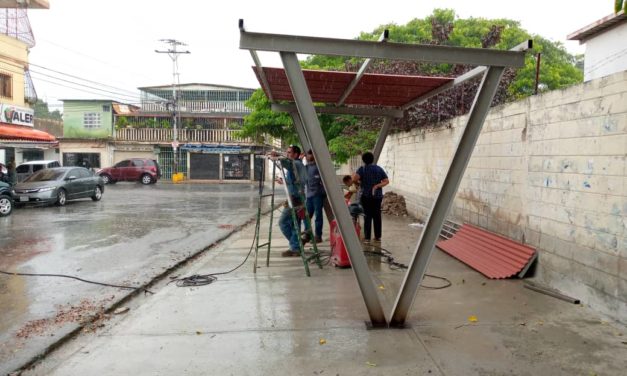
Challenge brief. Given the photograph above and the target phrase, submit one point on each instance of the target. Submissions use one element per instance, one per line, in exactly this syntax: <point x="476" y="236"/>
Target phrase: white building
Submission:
<point x="606" y="46"/>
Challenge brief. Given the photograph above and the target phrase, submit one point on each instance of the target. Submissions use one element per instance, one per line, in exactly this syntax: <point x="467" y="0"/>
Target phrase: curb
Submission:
<point x="132" y="294"/>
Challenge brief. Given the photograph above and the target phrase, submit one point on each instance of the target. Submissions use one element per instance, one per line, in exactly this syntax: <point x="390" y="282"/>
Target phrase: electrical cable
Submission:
<point x="76" y="278"/>
<point x="395" y="265"/>
<point x="206" y="279"/>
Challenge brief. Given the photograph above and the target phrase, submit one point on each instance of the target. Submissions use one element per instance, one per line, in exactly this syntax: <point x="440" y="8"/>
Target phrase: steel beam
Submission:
<point x="262" y="75"/>
<point x="357" y="111"/>
<point x="300" y="131"/>
<point x="383" y="134"/>
<point x="314" y="133"/>
<point x="424" y="248"/>
<point x="524" y="46"/>
<point x="376" y="50"/>
<point x="360" y="73"/>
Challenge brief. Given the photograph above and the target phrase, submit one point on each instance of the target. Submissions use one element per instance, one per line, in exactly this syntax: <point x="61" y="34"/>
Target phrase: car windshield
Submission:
<point x="46" y="175"/>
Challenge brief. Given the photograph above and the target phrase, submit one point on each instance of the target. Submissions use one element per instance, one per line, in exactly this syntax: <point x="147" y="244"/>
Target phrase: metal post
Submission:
<point x="174" y="55"/>
<point x="383" y="134"/>
<point x="314" y="134"/>
<point x="424" y="248"/>
<point x="302" y="137"/>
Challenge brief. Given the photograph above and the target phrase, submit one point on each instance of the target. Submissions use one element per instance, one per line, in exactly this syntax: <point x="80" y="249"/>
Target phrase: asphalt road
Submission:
<point x="128" y="238"/>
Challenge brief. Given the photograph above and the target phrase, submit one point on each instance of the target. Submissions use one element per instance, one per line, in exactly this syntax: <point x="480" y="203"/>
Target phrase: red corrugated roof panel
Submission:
<point x="492" y="255"/>
<point x="372" y="89"/>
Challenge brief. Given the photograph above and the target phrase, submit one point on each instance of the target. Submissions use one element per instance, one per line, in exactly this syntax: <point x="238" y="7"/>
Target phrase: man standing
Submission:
<point x="295" y="178"/>
<point x="372" y="179"/>
<point x="315" y="195"/>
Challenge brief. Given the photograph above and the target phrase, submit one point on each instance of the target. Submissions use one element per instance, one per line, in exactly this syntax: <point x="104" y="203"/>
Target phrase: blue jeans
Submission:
<point x="314" y="207"/>
<point x="286" y="224"/>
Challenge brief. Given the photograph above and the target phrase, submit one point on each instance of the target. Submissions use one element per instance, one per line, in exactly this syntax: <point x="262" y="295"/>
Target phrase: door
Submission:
<point x="118" y="170"/>
<point x="73" y="184"/>
<point x="236" y="166"/>
<point x="87" y="184"/>
<point x="135" y="170"/>
<point x="204" y="166"/>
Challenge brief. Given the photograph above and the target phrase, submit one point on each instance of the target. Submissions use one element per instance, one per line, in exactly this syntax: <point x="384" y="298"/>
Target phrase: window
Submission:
<point x="81" y="159"/>
<point x="138" y="163"/>
<point x="53" y="164"/>
<point x="37" y="167"/>
<point x="21" y="169"/>
<point x="122" y="164"/>
<point x="106" y="108"/>
<point x="91" y="120"/>
<point x="6" y="85"/>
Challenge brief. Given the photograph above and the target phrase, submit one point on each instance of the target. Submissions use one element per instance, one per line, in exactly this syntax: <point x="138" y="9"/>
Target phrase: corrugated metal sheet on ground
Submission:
<point x="492" y="255"/>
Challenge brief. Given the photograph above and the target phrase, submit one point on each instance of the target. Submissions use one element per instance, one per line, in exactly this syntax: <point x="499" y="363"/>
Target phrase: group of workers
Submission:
<point x="364" y="194"/>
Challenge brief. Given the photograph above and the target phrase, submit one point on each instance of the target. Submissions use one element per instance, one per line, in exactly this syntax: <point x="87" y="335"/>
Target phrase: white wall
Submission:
<point x="549" y="171"/>
<point x="606" y="53"/>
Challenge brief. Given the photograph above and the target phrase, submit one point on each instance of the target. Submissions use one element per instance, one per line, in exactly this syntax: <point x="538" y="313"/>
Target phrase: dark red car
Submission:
<point x="146" y="171"/>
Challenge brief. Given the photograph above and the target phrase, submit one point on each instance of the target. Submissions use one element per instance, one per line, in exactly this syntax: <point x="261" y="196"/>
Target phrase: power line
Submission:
<point x="62" y="73"/>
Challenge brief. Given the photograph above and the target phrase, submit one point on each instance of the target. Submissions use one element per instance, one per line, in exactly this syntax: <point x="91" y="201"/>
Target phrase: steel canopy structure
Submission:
<point x="378" y="95"/>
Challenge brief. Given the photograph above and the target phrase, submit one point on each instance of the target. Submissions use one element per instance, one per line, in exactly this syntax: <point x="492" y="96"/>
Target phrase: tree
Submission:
<point x="43" y="112"/>
<point x="350" y="136"/>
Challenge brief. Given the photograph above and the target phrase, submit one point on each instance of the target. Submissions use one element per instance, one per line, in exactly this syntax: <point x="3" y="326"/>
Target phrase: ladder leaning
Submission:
<point x="294" y="208"/>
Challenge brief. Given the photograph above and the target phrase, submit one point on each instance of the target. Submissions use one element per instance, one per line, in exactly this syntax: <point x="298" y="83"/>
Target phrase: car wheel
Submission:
<point x="107" y="179"/>
<point x="61" y="197"/>
<point x="6" y="206"/>
<point x="146" y="179"/>
<point x="97" y="194"/>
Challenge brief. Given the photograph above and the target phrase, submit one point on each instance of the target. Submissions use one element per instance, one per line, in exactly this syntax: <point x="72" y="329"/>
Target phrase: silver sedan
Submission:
<point x="58" y="185"/>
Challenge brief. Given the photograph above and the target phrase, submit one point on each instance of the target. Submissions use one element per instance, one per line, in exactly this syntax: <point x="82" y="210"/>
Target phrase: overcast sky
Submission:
<point x="112" y="42"/>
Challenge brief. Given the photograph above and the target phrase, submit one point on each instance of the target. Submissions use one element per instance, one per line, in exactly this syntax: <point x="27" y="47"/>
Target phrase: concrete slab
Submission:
<point x="272" y="323"/>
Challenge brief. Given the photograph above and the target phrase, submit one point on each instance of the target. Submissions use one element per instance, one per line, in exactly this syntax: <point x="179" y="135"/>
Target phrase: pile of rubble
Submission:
<point x="394" y="204"/>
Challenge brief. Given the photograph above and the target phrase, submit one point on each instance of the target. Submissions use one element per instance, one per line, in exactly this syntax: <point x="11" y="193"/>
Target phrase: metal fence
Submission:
<point x="166" y="162"/>
<point x="184" y="135"/>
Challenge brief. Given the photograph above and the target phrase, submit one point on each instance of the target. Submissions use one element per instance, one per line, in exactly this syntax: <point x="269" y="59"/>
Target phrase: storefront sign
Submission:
<point x="217" y="149"/>
<point x="11" y="114"/>
<point x="134" y="148"/>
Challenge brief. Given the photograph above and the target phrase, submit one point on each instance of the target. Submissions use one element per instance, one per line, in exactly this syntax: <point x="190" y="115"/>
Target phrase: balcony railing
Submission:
<point x="198" y="106"/>
<point x="184" y="135"/>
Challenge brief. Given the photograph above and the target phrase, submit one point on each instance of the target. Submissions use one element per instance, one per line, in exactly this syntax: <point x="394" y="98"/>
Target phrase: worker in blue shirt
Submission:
<point x="315" y="195"/>
<point x="372" y="179"/>
<point x="295" y="181"/>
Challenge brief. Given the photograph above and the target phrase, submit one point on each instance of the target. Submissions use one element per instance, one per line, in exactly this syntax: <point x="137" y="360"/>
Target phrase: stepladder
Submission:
<point x="294" y="185"/>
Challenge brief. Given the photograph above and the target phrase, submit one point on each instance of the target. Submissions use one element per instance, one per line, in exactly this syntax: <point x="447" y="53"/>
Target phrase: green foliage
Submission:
<point x="263" y="120"/>
<point x="121" y="122"/>
<point x="345" y="146"/>
<point x="620" y="5"/>
<point x="188" y="123"/>
<point x="165" y="124"/>
<point x="43" y="112"/>
<point x="151" y="123"/>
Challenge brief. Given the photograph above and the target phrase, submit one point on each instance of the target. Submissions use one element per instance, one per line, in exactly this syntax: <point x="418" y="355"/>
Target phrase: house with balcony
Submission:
<point x="19" y="140"/>
<point x="204" y="138"/>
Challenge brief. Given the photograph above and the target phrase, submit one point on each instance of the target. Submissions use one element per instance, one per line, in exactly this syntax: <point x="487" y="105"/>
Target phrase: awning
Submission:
<point x="15" y="132"/>
<point x="372" y="89"/>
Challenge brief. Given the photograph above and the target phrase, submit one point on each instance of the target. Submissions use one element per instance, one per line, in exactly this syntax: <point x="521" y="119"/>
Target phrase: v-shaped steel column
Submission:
<point x="383" y="134"/>
<point x="315" y="136"/>
<point x="424" y="249"/>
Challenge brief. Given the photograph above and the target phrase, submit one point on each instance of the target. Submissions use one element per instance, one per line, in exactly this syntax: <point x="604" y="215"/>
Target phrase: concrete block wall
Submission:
<point x="549" y="171"/>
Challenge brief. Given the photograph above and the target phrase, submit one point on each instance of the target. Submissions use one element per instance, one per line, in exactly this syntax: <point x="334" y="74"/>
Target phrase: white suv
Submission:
<point x="26" y="169"/>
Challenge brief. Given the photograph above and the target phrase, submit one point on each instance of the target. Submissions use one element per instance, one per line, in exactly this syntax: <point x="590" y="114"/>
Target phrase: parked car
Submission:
<point x="6" y="199"/>
<point x="26" y="169"/>
<point x="144" y="170"/>
<point x="59" y="185"/>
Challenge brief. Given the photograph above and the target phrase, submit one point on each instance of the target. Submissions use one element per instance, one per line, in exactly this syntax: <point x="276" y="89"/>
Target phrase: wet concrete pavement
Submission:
<point x="132" y="235"/>
<point x="278" y="321"/>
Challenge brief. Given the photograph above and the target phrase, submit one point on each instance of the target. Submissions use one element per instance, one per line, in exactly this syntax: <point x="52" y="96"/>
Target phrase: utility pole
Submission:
<point x="174" y="55"/>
